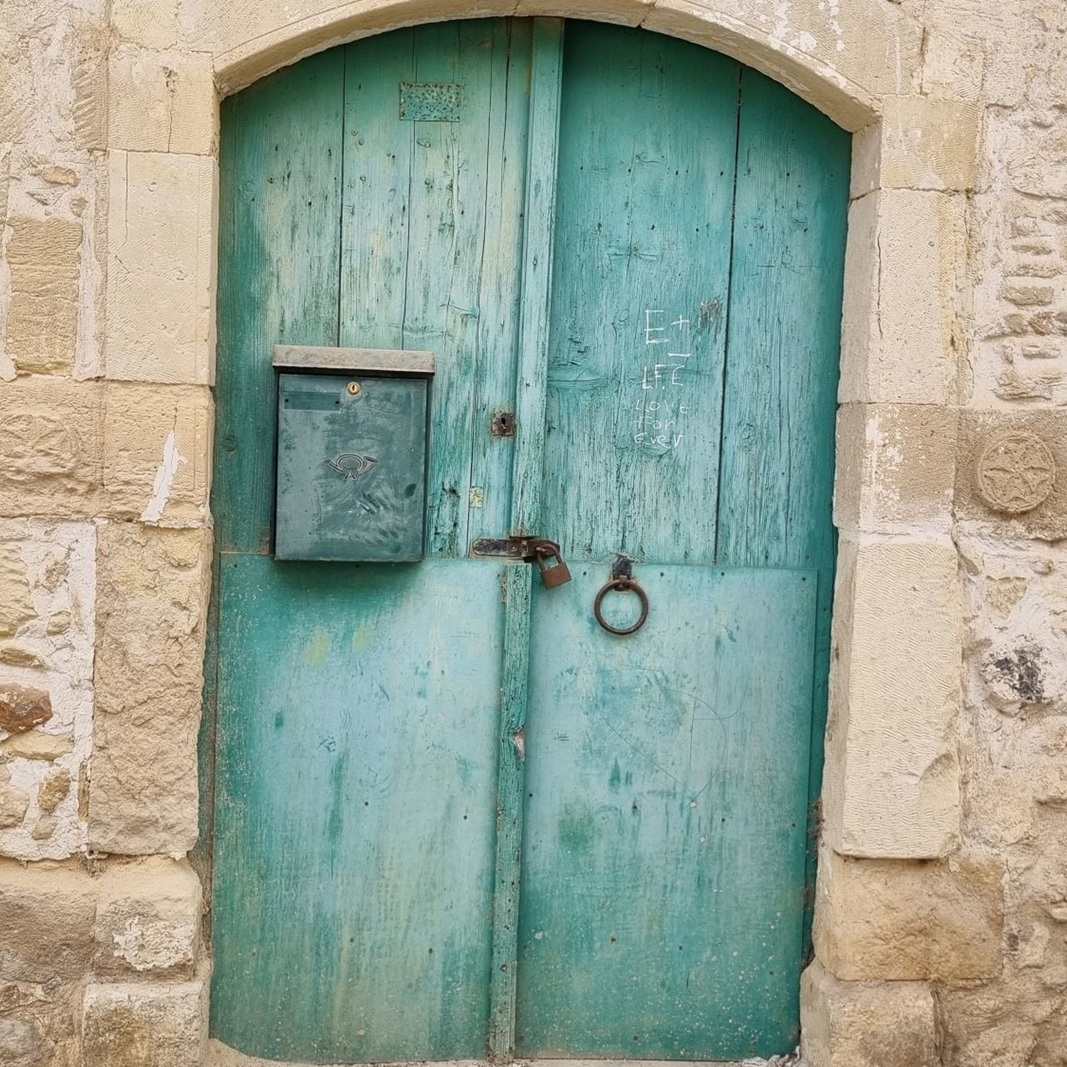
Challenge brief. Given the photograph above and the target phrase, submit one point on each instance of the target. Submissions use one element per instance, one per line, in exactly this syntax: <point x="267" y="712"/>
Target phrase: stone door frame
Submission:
<point x="891" y="780"/>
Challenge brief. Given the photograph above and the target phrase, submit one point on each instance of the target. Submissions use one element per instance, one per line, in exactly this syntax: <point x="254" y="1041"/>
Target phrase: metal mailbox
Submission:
<point x="351" y="477"/>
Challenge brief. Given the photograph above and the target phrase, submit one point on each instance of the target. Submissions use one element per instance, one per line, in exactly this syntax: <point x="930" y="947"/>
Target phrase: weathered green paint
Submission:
<point x="438" y="755"/>
<point x="432" y="236"/>
<point x="647" y="142"/>
<point x="357" y="765"/>
<point x="510" y="787"/>
<point x="782" y="362"/>
<point x="351" y="467"/>
<point x="279" y="228"/>
<point x="663" y="845"/>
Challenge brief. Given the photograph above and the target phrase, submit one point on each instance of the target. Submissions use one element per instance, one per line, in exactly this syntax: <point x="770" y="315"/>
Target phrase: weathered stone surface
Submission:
<point x="160" y="310"/>
<point x="1019" y="1018"/>
<point x="921" y="143"/>
<point x="903" y="328"/>
<point x="156" y="453"/>
<point x="162" y="102"/>
<point x="892" y="773"/>
<point x="909" y="920"/>
<point x="151" y="23"/>
<point x="37" y="745"/>
<point x="42" y="324"/>
<point x="51" y="451"/>
<point x="148" y="920"/>
<point x="53" y="791"/>
<point x="145" y="1025"/>
<point x="13" y="801"/>
<point x="152" y="596"/>
<point x="21" y="1043"/>
<point x="895" y="467"/>
<point x="16" y="608"/>
<point x="17" y="656"/>
<point x="860" y="1024"/>
<point x="22" y="708"/>
<point x="46" y="921"/>
<point x="1020" y="495"/>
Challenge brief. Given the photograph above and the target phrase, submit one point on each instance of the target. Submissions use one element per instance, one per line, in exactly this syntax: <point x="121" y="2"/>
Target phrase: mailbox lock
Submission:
<point x="354" y="388"/>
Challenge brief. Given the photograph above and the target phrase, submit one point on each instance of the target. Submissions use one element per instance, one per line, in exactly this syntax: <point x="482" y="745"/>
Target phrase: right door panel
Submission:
<point x="666" y="788"/>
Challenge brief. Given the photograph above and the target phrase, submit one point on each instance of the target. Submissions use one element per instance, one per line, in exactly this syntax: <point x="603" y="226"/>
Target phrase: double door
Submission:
<point x="454" y="814"/>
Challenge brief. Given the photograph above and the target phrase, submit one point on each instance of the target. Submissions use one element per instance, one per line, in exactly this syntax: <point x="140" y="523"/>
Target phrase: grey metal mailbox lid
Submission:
<point x="355" y="360"/>
<point x="351" y="462"/>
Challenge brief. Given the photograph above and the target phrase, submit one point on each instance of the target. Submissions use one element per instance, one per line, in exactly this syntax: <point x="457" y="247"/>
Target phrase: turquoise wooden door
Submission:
<point x="452" y="814"/>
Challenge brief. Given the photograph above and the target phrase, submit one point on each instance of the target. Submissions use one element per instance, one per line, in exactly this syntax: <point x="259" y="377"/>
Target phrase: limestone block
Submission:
<point x="37" y="745"/>
<point x="150" y="23"/>
<point x="1017" y="1019"/>
<point x="22" y="1044"/>
<point x="161" y="102"/>
<point x="13" y="801"/>
<point x="921" y="143"/>
<point x="44" y="256"/>
<point x="954" y="56"/>
<point x="148" y="919"/>
<point x="53" y="791"/>
<point x="891" y="784"/>
<point x="866" y="1024"/>
<point x="151" y="602"/>
<point x="160" y="314"/>
<point x="1012" y="474"/>
<point x="51" y="450"/>
<point x="51" y="60"/>
<point x="55" y="288"/>
<point x="16" y="607"/>
<point x="907" y="920"/>
<point x="162" y="1024"/>
<point x="895" y="467"/>
<point x="46" y="922"/>
<point x="902" y="332"/>
<point x="157" y="453"/>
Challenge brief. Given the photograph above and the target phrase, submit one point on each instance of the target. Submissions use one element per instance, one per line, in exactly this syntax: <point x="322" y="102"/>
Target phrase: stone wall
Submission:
<point x="941" y="916"/>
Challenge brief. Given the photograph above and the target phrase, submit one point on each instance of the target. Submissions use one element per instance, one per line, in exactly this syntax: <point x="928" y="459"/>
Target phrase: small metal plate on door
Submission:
<point x="430" y="101"/>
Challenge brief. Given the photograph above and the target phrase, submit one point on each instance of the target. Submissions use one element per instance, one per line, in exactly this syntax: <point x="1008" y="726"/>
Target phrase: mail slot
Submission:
<point x="352" y="445"/>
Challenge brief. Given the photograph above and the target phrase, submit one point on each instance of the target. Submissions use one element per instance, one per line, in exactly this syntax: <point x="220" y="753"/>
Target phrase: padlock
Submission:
<point x="558" y="573"/>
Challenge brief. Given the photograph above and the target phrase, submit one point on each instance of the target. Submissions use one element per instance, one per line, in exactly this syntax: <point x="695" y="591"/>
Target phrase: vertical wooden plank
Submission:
<point x="536" y="280"/>
<point x="279" y="259"/>
<point x="646" y="173"/>
<point x="787" y="278"/>
<point x="509" y="809"/>
<point x="498" y="298"/>
<point x="527" y="473"/>
<point x="431" y="243"/>
<point x="378" y="151"/>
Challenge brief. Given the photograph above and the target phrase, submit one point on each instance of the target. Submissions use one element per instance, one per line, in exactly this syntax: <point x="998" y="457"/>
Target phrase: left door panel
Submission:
<point x="358" y="712"/>
<point x="371" y="198"/>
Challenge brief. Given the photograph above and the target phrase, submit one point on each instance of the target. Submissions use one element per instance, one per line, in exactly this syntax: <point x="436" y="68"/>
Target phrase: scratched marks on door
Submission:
<point x="661" y="411"/>
<point x="690" y="727"/>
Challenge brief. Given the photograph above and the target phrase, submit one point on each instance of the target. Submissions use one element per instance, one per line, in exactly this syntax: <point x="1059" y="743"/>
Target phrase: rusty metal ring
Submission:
<point x="621" y="585"/>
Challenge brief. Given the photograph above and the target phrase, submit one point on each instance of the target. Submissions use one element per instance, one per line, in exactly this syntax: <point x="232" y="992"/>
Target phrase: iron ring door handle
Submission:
<point x="621" y="585"/>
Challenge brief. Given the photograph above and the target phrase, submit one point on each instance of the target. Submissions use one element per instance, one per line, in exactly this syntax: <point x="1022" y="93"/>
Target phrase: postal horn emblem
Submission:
<point x="351" y="464"/>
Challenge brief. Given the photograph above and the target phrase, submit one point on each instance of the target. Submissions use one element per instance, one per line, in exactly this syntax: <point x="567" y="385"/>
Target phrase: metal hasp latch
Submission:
<point x="528" y="549"/>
